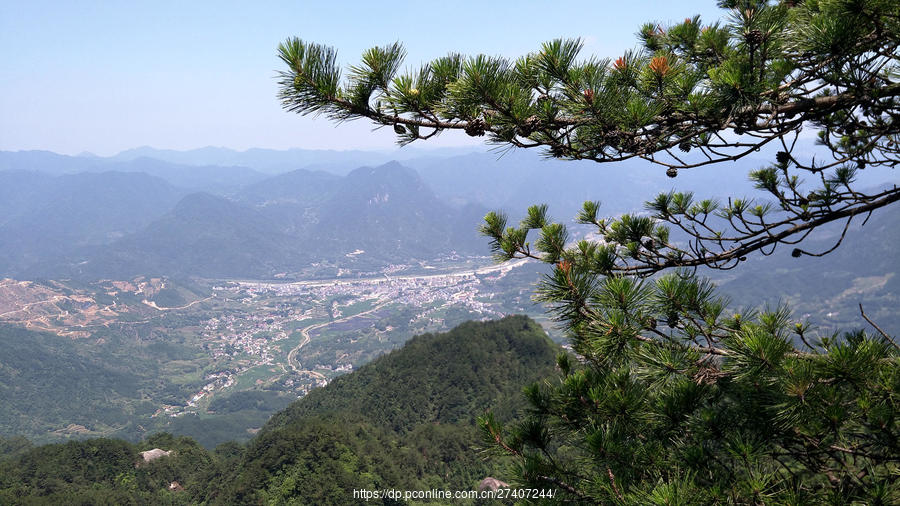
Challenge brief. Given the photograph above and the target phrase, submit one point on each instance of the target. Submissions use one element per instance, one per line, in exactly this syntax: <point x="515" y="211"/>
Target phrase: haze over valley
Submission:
<point x="187" y="283"/>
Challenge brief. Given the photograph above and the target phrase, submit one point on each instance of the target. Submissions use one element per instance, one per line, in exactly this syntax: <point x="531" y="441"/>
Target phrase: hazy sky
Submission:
<point x="108" y="76"/>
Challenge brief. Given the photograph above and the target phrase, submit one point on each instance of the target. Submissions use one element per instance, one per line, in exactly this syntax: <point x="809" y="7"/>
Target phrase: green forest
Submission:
<point x="381" y="426"/>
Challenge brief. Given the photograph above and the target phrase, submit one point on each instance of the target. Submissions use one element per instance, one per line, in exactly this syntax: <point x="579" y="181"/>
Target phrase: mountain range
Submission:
<point x="206" y="177"/>
<point x="183" y="216"/>
<point x="116" y="224"/>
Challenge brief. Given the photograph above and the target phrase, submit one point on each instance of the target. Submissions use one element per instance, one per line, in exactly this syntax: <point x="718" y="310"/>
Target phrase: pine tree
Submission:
<point x="697" y="94"/>
<point x="672" y="398"/>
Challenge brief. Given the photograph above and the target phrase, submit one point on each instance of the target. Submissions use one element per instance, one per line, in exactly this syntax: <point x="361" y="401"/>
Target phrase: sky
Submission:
<point x="103" y="77"/>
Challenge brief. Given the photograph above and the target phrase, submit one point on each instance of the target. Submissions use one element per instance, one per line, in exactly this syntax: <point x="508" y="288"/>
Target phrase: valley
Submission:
<point x="201" y="299"/>
<point x="202" y="342"/>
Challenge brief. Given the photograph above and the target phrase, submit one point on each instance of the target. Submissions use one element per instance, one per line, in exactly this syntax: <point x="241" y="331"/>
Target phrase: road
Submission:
<point x="292" y="355"/>
<point x="154" y="306"/>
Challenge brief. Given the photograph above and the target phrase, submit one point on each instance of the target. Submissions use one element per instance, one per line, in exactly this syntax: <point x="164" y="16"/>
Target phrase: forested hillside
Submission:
<point x="407" y="421"/>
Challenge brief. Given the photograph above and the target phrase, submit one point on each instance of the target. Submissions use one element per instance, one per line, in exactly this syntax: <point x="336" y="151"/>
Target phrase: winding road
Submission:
<point x="292" y="355"/>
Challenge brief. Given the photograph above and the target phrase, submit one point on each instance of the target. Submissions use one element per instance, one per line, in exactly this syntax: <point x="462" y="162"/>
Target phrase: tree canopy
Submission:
<point x="694" y="94"/>
<point x="675" y="398"/>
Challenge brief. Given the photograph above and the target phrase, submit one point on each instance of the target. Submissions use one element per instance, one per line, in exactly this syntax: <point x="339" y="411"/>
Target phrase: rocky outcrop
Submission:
<point x="154" y="454"/>
<point x="491" y="484"/>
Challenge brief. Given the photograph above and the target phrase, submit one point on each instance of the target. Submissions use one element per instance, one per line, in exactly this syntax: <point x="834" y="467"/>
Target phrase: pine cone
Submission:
<point x="671" y="172"/>
<point x="531" y="124"/>
<point x="475" y="127"/>
<point x="685" y="146"/>
<point x="796" y="253"/>
<point x="783" y="157"/>
<point x="753" y="37"/>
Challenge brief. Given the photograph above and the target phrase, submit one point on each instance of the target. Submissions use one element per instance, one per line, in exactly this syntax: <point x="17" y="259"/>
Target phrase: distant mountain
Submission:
<point x="274" y="161"/>
<point x="121" y="224"/>
<point x="204" y="235"/>
<point x="518" y="179"/>
<point x="296" y="187"/>
<point x="221" y="179"/>
<point x="375" y="215"/>
<point x="390" y="212"/>
<point x="514" y="180"/>
<point x="20" y="191"/>
<point x="47" y="162"/>
<point x="372" y="217"/>
<point x="827" y="290"/>
<point x="292" y="199"/>
<point x="207" y="177"/>
<point x="269" y="161"/>
<point x="44" y="219"/>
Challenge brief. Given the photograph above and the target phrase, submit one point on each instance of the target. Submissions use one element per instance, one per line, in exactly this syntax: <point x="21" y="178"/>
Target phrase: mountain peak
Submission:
<point x="392" y="165"/>
<point x="392" y="168"/>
